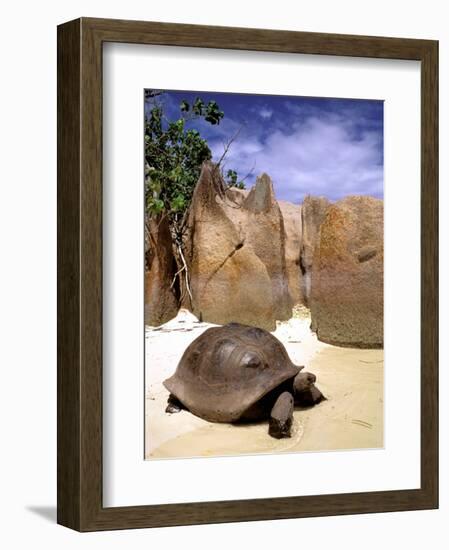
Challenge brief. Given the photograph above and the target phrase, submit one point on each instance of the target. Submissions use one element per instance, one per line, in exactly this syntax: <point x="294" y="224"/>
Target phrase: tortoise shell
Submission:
<point x="227" y="369"/>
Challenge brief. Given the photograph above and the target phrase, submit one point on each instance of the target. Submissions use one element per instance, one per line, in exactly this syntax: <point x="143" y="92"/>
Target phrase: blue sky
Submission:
<point x="317" y="146"/>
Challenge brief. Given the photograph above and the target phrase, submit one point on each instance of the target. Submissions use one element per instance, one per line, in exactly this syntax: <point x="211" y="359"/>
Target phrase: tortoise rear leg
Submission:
<point x="173" y="405"/>
<point x="281" y="417"/>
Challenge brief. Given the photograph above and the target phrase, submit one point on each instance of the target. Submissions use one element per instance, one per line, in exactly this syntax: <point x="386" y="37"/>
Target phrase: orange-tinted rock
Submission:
<point x="313" y="213"/>
<point x="292" y="215"/>
<point x="161" y="303"/>
<point x="237" y="253"/>
<point x="347" y="276"/>
<point x="265" y="233"/>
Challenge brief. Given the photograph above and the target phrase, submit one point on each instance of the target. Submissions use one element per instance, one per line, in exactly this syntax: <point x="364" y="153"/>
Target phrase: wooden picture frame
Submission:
<point x="80" y="504"/>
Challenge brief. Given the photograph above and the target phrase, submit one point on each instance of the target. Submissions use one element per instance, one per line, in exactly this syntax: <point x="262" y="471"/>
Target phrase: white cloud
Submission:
<point x="265" y="113"/>
<point x="320" y="157"/>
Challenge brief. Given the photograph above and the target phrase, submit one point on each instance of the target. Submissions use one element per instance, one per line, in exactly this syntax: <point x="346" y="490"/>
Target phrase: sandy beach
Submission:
<point x="350" y="418"/>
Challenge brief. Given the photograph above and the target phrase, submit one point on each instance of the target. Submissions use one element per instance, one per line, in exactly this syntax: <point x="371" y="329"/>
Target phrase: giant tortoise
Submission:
<point x="237" y="373"/>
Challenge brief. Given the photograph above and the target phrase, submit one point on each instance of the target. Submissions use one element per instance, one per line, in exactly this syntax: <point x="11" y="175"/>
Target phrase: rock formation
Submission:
<point x="292" y="214"/>
<point x="347" y="275"/>
<point x="251" y="258"/>
<point x="161" y="303"/>
<point x="313" y="212"/>
<point x="238" y="261"/>
<point x="265" y="234"/>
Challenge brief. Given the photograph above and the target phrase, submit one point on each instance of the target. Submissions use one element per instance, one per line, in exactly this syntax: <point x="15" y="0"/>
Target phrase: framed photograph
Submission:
<point x="247" y="274"/>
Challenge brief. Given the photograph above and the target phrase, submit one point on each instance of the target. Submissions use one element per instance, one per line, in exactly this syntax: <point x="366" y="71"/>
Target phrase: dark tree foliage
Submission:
<point x="232" y="180"/>
<point x="174" y="155"/>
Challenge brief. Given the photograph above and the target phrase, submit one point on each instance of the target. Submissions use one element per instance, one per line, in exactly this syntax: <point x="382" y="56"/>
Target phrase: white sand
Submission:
<point x="351" y="379"/>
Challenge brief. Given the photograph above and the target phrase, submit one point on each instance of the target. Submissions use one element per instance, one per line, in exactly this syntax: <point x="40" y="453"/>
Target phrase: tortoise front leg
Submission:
<point x="281" y="417"/>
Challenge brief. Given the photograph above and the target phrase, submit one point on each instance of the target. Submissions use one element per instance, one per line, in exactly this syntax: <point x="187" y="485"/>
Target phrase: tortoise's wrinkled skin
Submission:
<point x="235" y="372"/>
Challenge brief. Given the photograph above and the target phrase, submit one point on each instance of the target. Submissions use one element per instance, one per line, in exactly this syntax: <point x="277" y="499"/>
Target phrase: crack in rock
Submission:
<point x="217" y="269"/>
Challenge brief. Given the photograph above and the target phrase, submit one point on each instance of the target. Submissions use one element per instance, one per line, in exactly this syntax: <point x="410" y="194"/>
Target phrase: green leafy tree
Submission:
<point x="174" y="154"/>
<point x="232" y="180"/>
